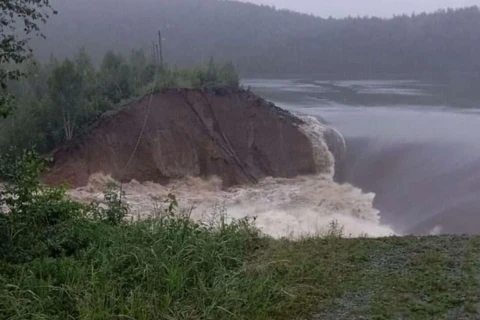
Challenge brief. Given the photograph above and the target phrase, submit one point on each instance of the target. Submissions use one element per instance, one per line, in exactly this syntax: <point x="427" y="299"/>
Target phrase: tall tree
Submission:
<point x="211" y="74"/>
<point x="228" y="75"/>
<point x="25" y="15"/>
<point x="83" y="62"/>
<point x="138" y="62"/>
<point x="116" y="77"/>
<point x="66" y="93"/>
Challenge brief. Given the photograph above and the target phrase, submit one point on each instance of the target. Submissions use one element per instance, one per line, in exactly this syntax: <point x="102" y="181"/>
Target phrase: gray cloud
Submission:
<point x="383" y="8"/>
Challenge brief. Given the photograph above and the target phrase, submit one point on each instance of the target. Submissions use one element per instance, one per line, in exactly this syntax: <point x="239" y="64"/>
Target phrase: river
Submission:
<point x="415" y="147"/>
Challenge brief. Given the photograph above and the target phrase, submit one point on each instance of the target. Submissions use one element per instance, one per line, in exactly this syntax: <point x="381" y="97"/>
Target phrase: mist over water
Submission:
<point x="421" y="160"/>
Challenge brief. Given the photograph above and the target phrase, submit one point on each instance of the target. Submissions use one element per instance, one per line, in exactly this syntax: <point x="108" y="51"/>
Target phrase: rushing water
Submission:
<point x="407" y="142"/>
<point x="298" y="207"/>
<point x="412" y="167"/>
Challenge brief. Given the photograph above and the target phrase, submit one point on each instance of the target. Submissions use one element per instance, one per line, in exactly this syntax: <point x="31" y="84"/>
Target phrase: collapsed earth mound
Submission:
<point x="231" y="134"/>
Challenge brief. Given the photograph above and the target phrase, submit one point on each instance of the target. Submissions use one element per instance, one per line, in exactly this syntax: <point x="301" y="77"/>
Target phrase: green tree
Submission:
<point x="116" y="77"/>
<point x="138" y="63"/>
<point x="37" y="80"/>
<point x="111" y="62"/>
<point x="211" y="75"/>
<point x="228" y="75"/>
<point x="83" y="63"/>
<point x="14" y="50"/>
<point x="66" y="93"/>
<point x="124" y="81"/>
<point x="94" y="101"/>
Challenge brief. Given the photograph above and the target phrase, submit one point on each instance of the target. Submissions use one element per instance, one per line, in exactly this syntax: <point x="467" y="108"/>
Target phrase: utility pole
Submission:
<point x="160" y="48"/>
<point x="154" y="53"/>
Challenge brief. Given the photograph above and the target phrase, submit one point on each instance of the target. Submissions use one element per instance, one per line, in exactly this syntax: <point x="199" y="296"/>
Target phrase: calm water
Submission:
<point x="412" y="143"/>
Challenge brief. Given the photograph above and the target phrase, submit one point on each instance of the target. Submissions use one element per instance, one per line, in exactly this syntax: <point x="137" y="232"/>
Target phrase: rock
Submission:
<point x="231" y="134"/>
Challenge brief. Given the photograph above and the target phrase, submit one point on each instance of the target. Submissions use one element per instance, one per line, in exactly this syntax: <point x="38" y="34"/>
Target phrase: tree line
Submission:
<point x="445" y="42"/>
<point x="265" y="40"/>
<point x="60" y="97"/>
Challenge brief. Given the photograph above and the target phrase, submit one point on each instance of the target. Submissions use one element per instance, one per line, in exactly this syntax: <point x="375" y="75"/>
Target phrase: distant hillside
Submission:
<point x="261" y="39"/>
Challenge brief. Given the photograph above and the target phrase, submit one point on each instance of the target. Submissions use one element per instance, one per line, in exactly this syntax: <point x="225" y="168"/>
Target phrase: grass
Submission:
<point x="63" y="260"/>
<point x="175" y="269"/>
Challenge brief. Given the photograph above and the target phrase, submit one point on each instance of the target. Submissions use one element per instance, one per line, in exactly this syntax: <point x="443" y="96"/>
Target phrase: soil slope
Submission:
<point x="230" y="134"/>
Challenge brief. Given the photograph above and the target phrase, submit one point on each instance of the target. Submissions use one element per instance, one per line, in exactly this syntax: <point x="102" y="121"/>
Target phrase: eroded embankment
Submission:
<point x="233" y="135"/>
<point x="228" y="152"/>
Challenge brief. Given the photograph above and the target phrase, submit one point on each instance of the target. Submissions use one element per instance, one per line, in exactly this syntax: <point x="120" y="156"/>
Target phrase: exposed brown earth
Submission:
<point x="234" y="135"/>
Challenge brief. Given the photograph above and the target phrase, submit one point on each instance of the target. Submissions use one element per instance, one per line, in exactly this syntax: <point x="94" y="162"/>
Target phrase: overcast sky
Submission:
<point x="384" y="8"/>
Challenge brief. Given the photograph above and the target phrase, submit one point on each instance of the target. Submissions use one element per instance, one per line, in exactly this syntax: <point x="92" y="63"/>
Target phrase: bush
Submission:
<point x="36" y="221"/>
<point x="115" y="210"/>
<point x="63" y="260"/>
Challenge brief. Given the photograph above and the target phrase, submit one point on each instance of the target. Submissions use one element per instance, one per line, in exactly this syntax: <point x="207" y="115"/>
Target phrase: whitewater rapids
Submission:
<point x="282" y="208"/>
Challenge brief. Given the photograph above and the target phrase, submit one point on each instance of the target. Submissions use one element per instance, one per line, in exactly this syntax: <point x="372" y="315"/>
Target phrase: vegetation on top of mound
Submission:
<point x="64" y="260"/>
<point x="58" y="99"/>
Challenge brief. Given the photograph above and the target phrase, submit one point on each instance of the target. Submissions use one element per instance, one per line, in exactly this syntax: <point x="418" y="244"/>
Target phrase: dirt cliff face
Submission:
<point x="230" y="134"/>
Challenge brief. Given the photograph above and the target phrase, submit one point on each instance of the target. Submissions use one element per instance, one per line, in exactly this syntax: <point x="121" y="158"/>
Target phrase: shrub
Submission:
<point x="63" y="260"/>
<point x="36" y="221"/>
<point x="115" y="210"/>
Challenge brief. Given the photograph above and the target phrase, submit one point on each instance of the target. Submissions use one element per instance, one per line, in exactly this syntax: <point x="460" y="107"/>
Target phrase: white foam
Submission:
<point x="315" y="131"/>
<point x="299" y="207"/>
<point x="304" y="206"/>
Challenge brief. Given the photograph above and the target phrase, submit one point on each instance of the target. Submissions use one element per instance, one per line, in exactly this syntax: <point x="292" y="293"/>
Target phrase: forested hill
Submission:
<point x="261" y="39"/>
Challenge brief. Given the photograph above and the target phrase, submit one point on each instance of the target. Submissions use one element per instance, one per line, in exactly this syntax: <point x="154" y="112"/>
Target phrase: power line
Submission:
<point x="142" y="131"/>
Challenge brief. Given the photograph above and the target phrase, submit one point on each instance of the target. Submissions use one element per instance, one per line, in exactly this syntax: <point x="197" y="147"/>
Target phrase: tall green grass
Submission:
<point x="64" y="260"/>
<point x="164" y="268"/>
